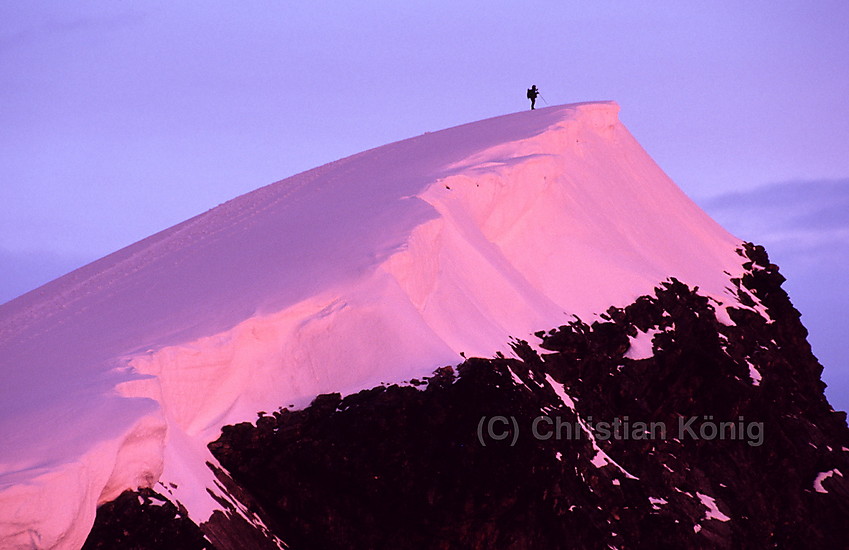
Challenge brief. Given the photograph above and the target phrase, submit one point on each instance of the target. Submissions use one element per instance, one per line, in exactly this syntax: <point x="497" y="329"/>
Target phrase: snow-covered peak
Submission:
<point x="378" y="267"/>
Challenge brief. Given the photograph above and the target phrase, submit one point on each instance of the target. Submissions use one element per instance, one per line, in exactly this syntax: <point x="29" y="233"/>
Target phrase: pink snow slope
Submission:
<point x="375" y="268"/>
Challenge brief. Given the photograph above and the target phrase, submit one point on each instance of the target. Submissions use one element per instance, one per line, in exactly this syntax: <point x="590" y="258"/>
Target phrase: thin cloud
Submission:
<point x="41" y="26"/>
<point x="811" y="211"/>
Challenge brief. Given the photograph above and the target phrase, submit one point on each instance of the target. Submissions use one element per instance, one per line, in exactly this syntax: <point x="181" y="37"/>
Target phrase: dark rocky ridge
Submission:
<point x="144" y="519"/>
<point x="406" y="466"/>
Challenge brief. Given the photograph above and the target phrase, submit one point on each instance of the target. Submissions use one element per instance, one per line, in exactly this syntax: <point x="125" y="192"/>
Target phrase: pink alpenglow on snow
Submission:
<point x="376" y="268"/>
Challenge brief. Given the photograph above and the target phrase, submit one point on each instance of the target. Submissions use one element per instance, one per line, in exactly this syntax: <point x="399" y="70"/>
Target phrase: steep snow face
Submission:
<point x="378" y="267"/>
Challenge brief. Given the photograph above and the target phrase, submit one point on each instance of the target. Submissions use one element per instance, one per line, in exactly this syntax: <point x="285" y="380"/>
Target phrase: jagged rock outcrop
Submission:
<point x="670" y="423"/>
<point x="144" y="519"/>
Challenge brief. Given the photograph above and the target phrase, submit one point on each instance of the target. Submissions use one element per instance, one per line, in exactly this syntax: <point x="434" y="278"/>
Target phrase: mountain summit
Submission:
<point x="377" y="268"/>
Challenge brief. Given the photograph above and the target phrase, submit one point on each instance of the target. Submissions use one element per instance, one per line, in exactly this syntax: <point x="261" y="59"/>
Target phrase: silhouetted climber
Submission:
<point x="532" y="95"/>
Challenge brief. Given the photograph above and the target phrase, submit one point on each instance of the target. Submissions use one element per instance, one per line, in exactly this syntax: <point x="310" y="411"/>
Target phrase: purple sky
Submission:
<point x="120" y="119"/>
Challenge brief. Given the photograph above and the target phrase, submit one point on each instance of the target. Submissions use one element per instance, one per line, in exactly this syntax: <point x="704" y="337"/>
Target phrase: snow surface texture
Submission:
<point x="376" y="268"/>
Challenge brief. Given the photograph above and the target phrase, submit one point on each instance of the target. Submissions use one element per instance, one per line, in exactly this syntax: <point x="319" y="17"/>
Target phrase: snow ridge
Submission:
<point x="375" y="268"/>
